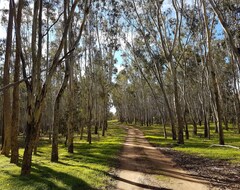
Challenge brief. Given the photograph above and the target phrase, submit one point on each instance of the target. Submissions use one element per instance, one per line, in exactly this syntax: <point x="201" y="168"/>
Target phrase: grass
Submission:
<point x="86" y="169"/>
<point x="196" y="145"/>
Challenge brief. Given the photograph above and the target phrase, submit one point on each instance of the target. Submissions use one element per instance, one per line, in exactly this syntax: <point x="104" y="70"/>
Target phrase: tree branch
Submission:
<point x="14" y="83"/>
<point x="50" y="27"/>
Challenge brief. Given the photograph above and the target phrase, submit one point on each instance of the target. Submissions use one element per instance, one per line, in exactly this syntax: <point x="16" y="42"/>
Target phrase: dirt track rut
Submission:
<point x="143" y="166"/>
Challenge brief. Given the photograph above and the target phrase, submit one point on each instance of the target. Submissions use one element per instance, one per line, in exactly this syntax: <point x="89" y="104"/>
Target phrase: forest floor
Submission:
<point x="219" y="165"/>
<point x="86" y="169"/>
<point x="143" y="166"/>
<point x="220" y="173"/>
<point x="144" y="161"/>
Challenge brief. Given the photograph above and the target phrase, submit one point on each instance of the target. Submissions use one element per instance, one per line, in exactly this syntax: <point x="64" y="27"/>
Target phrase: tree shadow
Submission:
<point x="43" y="177"/>
<point x="42" y="174"/>
<point x="115" y="177"/>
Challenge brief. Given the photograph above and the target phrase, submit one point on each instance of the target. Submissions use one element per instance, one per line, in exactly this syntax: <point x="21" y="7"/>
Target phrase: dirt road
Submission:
<point x="142" y="166"/>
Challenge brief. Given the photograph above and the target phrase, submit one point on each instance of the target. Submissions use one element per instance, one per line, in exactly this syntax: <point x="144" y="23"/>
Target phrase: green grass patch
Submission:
<point x="197" y="145"/>
<point x="86" y="169"/>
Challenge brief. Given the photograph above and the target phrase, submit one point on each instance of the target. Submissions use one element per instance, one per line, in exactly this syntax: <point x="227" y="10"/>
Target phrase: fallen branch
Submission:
<point x="228" y="146"/>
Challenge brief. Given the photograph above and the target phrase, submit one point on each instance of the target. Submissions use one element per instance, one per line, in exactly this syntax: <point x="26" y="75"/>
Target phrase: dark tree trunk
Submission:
<point x="226" y="123"/>
<point x="178" y="110"/>
<point x="2" y="131"/>
<point x="200" y="122"/>
<point x="96" y="128"/>
<point x="216" y="126"/>
<point x="70" y="131"/>
<point x="103" y="128"/>
<point x="31" y="135"/>
<point x="206" y="127"/>
<point x="194" y="127"/>
<point x="7" y="112"/>
<point x="215" y="83"/>
<point x="186" y="126"/>
<point x="89" y="133"/>
<point x="66" y="140"/>
<point x="36" y="142"/>
<point x="36" y="91"/>
<point x="164" y="128"/>
<point x="81" y="133"/>
<point x="16" y="103"/>
<point x="186" y="130"/>
<point x="89" y="126"/>
<point x="54" y="155"/>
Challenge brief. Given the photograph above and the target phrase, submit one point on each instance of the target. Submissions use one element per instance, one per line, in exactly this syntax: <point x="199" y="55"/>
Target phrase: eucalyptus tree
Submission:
<point x="107" y="25"/>
<point x="7" y="125"/>
<point x="37" y="91"/>
<point x="228" y="16"/>
<point x="210" y="62"/>
<point x="16" y="91"/>
<point x="228" y="13"/>
<point x="147" y="72"/>
<point x="142" y="21"/>
<point x="119" y="95"/>
<point x="162" y="33"/>
<point x="68" y="46"/>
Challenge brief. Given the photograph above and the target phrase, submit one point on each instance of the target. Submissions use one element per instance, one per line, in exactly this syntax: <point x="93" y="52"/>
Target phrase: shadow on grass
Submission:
<point x="66" y="174"/>
<point x="115" y="177"/>
<point x="96" y="153"/>
<point x="43" y="177"/>
<point x="42" y="174"/>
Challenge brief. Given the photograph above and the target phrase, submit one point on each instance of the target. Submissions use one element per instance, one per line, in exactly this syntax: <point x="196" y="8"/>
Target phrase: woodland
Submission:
<point x="171" y="68"/>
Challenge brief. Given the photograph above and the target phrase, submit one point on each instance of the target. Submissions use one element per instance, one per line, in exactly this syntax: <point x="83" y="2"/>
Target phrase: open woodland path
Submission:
<point x="142" y="166"/>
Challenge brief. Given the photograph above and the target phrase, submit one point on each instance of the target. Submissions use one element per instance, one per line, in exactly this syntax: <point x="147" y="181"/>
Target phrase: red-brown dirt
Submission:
<point x="142" y="166"/>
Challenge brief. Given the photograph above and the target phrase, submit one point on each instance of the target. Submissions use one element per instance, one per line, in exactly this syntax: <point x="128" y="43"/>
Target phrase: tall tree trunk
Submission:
<point x="227" y="30"/>
<point x="206" y="127"/>
<point x="96" y="122"/>
<point x="104" y="114"/>
<point x="178" y="106"/>
<point x="194" y="127"/>
<point x="213" y="76"/>
<point x="70" y="126"/>
<point x="96" y="128"/>
<point x="54" y="154"/>
<point x="186" y="125"/>
<point x="36" y="93"/>
<point x="6" y="80"/>
<point x="236" y="95"/>
<point x="82" y="130"/>
<point x="164" y="128"/>
<point x="170" y="112"/>
<point x="36" y="141"/>
<point x="226" y="123"/>
<point x="89" y="123"/>
<point x="103" y="128"/>
<point x="35" y="99"/>
<point x="31" y="135"/>
<point x="16" y="103"/>
<point x="2" y="130"/>
<point x="70" y="63"/>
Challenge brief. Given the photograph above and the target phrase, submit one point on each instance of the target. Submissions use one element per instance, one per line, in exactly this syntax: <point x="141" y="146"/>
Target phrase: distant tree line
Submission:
<point x="182" y="64"/>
